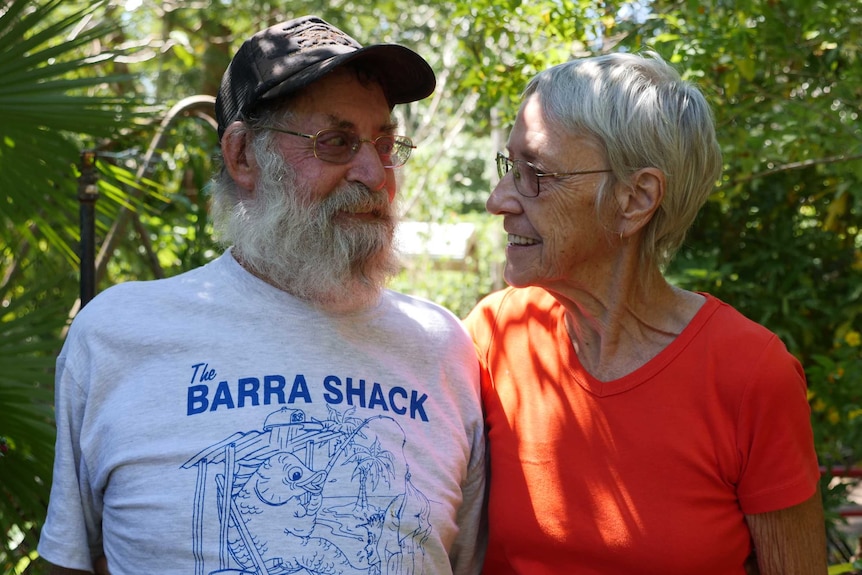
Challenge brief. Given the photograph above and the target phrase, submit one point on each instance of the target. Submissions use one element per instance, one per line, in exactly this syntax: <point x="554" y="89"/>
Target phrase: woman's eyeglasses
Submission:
<point x="527" y="176"/>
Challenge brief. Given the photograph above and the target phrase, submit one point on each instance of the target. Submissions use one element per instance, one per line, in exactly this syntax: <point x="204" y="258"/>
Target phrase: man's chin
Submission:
<point x="348" y="277"/>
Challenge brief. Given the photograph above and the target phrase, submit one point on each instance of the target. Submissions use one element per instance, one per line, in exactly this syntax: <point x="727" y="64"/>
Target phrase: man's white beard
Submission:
<point x="339" y="264"/>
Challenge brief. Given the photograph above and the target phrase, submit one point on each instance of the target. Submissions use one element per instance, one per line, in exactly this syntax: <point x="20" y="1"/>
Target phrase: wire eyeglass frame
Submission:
<point x="506" y="165"/>
<point x="393" y="151"/>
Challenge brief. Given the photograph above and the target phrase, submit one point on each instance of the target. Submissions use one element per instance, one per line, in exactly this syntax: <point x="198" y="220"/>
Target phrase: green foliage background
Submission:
<point x="779" y="238"/>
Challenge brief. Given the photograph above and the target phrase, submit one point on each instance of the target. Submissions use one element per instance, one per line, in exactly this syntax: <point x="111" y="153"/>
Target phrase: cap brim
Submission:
<point x="404" y="74"/>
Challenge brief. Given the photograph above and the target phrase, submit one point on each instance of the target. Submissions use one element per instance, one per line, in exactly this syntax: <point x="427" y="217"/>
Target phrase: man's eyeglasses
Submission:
<point x="527" y="176"/>
<point x="340" y="146"/>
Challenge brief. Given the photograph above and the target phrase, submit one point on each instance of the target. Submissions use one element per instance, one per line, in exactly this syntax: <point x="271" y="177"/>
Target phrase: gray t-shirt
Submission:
<point x="212" y="423"/>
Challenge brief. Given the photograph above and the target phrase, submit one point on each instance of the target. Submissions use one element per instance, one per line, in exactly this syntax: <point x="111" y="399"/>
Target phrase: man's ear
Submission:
<point x="640" y="199"/>
<point x="238" y="157"/>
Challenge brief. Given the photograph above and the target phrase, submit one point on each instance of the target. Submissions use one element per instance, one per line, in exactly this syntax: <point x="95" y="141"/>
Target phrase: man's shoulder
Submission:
<point x="149" y="287"/>
<point x="415" y="304"/>
<point x="423" y="314"/>
<point x="149" y="296"/>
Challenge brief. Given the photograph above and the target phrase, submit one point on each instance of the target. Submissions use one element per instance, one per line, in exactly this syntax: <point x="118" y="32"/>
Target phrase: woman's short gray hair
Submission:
<point x="642" y="114"/>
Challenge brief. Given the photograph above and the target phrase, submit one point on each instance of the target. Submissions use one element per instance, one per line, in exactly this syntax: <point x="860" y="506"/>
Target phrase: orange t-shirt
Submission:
<point x="651" y="473"/>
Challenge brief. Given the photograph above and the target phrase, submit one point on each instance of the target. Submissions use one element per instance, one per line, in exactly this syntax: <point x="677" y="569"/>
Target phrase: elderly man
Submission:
<point x="278" y="410"/>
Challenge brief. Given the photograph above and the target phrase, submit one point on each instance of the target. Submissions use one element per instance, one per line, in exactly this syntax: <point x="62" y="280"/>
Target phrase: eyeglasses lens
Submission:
<point x="526" y="182"/>
<point x="339" y="147"/>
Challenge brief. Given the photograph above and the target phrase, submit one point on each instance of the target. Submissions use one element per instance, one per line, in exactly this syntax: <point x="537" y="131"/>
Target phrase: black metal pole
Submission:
<point x="88" y="193"/>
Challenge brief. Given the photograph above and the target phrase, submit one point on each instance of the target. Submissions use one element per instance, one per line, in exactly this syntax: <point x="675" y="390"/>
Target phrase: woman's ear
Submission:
<point x="238" y="157"/>
<point x="640" y="199"/>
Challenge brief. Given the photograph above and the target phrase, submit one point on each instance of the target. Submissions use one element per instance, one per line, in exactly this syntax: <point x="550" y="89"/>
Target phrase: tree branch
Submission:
<point x="793" y="166"/>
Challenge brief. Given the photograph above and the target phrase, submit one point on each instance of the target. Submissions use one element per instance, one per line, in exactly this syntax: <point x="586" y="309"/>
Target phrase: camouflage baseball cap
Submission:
<point x="289" y="56"/>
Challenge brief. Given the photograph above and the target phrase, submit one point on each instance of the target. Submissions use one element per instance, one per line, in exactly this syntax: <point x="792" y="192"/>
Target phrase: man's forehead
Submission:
<point x="342" y="101"/>
<point x="324" y="120"/>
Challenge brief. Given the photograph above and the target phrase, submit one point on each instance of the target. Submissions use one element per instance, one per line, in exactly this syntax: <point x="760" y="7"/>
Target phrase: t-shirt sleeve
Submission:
<point x="468" y="550"/>
<point x="775" y="439"/>
<point x="70" y="536"/>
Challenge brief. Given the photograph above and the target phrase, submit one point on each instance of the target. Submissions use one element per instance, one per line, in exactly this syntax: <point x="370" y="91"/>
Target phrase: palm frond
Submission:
<point x="29" y="341"/>
<point x="57" y="96"/>
<point x="55" y="99"/>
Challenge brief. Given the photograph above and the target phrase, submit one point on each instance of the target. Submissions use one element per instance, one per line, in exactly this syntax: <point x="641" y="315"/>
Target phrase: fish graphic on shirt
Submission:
<point x="277" y="508"/>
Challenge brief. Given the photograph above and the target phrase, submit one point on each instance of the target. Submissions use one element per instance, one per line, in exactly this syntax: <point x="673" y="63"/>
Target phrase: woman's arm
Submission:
<point x="791" y="541"/>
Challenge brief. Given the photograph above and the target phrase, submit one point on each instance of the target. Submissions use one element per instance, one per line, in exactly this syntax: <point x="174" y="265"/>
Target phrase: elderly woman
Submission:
<point x="634" y="427"/>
